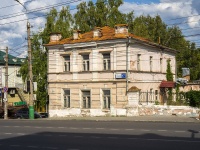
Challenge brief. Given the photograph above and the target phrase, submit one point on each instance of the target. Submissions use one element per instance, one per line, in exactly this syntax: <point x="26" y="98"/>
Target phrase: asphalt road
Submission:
<point x="97" y="135"/>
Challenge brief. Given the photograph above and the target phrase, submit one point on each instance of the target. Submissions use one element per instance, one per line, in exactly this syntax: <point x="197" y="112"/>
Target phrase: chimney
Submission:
<point x="76" y="34"/>
<point x="121" y="29"/>
<point x="97" y="32"/>
<point x="54" y="37"/>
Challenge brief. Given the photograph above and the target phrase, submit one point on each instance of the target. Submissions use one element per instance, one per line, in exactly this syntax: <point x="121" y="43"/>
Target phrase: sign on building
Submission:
<point x="120" y="75"/>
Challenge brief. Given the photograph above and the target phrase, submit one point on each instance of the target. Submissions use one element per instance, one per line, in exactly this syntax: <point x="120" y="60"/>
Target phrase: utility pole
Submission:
<point x="6" y="87"/>
<point x="31" y="106"/>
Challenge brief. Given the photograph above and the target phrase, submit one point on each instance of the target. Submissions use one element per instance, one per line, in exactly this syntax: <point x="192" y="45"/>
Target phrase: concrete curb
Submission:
<point x="137" y="118"/>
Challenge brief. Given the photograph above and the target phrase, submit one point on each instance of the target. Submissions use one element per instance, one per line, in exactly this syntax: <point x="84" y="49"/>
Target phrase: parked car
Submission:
<point x="23" y="113"/>
<point x="44" y="114"/>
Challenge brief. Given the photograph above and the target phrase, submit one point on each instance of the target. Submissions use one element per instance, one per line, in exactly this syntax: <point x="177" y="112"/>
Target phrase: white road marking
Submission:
<point x="61" y="127"/>
<point x="7" y="133"/>
<point x="162" y="130"/>
<point x="49" y="127"/>
<point x="100" y="128"/>
<point x="179" y="131"/>
<point x="86" y="128"/>
<point x="129" y="129"/>
<point x="16" y="126"/>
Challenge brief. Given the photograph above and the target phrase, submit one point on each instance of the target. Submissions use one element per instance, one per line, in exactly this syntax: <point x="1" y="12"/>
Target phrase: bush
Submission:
<point x="193" y="98"/>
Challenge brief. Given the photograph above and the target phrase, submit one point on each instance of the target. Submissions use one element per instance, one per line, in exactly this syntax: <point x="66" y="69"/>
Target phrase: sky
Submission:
<point x="13" y="18"/>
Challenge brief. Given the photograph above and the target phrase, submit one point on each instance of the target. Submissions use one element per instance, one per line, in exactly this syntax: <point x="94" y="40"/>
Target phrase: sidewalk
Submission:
<point x="135" y="118"/>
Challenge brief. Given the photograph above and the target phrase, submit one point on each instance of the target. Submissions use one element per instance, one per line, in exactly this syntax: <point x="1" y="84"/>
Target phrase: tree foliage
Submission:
<point x="169" y="75"/>
<point x="193" y="98"/>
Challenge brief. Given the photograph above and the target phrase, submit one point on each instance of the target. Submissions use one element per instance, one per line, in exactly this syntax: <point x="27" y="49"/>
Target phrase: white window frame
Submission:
<point x="86" y="99"/>
<point x="106" y="61"/>
<point x="66" y="63"/>
<point x="66" y="98"/>
<point x="106" y="98"/>
<point x="86" y="62"/>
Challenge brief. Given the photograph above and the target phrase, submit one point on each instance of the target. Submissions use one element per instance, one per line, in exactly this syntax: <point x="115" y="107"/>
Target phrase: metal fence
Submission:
<point x="160" y="97"/>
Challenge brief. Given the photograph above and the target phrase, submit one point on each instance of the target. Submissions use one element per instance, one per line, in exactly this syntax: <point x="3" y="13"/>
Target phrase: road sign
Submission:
<point x="120" y="75"/>
<point x="5" y="89"/>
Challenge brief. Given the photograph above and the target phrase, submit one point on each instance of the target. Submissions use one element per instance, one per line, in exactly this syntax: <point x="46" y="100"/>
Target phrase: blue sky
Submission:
<point x="13" y="18"/>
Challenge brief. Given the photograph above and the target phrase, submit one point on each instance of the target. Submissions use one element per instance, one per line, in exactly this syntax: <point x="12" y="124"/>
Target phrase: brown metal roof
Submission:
<point x="108" y="33"/>
<point x="167" y="84"/>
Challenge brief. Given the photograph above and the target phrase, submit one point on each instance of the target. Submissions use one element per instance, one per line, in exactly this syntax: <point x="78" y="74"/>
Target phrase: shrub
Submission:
<point x="193" y="98"/>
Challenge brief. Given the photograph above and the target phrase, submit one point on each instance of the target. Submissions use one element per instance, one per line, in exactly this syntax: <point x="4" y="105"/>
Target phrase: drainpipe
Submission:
<point x="127" y="66"/>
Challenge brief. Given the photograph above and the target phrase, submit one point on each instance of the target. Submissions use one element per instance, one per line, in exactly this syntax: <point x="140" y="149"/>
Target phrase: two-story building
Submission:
<point x="105" y="71"/>
<point x="15" y="83"/>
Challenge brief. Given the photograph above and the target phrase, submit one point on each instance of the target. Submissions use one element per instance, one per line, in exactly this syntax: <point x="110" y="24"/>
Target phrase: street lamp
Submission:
<point x="31" y="108"/>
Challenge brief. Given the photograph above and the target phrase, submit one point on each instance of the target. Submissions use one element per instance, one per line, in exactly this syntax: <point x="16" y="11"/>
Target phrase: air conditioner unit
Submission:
<point x="12" y="91"/>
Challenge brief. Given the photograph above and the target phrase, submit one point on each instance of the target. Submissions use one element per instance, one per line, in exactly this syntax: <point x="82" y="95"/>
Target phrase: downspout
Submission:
<point x="127" y="66"/>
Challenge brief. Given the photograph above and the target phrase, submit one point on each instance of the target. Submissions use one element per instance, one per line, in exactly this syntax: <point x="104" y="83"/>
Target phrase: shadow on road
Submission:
<point x="96" y="141"/>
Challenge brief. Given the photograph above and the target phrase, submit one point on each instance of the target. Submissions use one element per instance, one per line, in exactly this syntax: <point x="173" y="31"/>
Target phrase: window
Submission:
<point x="18" y="73"/>
<point x="66" y="63"/>
<point x="138" y="62"/>
<point x="86" y="99"/>
<point x="106" y="61"/>
<point x="86" y="63"/>
<point x="67" y="98"/>
<point x="161" y="62"/>
<point x="106" y="99"/>
<point x="156" y="94"/>
<point x="151" y="63"/>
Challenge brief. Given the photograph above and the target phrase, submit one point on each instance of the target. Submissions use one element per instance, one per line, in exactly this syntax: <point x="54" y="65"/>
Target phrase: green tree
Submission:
<point x="169" y="75"/>
<point x="114" y="15"/>
<point x="101" y="13"/>
<point x="63" y="22"/>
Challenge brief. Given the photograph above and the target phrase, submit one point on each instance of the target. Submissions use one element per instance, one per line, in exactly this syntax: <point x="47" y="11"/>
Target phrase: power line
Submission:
<point x="182" y="17"/>
<point x="14" y="4"/>
<point x="38" y="9"/>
